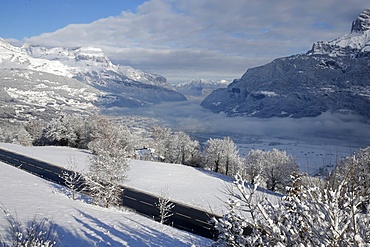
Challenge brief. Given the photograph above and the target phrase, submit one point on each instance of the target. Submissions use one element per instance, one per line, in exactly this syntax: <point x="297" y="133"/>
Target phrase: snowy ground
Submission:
<point x="79" y="223"/>
<point x="189" y="185"/>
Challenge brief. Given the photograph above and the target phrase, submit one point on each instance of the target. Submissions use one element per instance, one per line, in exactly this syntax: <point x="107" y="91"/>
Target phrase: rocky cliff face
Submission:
<point x="332" y="76"/>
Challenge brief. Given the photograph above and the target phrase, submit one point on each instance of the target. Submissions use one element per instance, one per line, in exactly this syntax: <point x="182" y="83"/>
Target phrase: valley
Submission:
<point x="281" y="128"/>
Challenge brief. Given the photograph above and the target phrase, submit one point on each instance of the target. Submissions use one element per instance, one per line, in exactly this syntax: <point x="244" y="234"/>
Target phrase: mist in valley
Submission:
<point x="328" y="128"/>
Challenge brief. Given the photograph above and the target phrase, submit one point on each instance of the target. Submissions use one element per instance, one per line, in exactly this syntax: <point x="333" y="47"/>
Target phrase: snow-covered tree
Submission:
<point x="65" y="130"/>
<point x="35" y="128"/>
<point x="73" y="180"/>
<point x="164" y="207"/>
<point x="174" y="147"/>
<point x="161" y="139"/>
<point x="109" y="164"/>
<point x="253" y="166"/>
<point x="181" y="148"/>
<point x="222" y="156"/>
<point x="15" y="134"/>
<point x="108" y="169"/>
<point x="279" y="169"/>
<point x="306" y="216"/>
<point x="22" y="137"/>
<point x="274" y="168"/>
<point x="356" y="170"/>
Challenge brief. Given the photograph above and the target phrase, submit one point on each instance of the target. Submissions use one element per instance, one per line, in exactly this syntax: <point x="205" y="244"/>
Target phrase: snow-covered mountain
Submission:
<point x="12" y="57"/>
<point x="200" y="87"/>
<point x="357" y="41"/>
<point x="92" y="65"/>
<point x="81" y="79"/>
<point x="333" y="76"/>
<point x="25" y="94"/>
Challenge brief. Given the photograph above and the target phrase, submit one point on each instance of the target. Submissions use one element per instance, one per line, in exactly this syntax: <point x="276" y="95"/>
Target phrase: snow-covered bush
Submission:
<point x="38" y="232"/>
<point x="306" y="216"/>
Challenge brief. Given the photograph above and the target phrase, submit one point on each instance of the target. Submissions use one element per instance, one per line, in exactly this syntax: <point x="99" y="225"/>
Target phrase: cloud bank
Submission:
<point x="213" y="39"/>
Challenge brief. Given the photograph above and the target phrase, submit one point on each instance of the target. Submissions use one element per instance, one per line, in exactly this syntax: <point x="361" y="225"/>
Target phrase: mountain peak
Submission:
<point x="349" y="44"/>
<point x="362" y="23"/>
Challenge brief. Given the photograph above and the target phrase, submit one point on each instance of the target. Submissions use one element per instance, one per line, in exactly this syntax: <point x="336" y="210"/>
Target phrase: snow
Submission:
<point x="16" y="55"/>
<point x="70" y="62"/>
<point x="189" y="185"/>
<point x="353" y="40"/>
<point x="268" y="93"/>
<point x="81" y="224"/>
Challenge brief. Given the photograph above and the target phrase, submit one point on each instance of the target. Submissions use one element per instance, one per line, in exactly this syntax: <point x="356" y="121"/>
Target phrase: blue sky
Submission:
<point x="181" y="39"/>
<point x="25" y="18"/>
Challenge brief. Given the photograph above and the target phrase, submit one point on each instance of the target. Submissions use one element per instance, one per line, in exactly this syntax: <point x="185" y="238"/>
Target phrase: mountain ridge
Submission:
<point x="66" y="74"/>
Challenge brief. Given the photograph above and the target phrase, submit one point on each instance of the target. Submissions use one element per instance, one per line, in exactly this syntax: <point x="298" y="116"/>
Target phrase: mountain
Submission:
<point x="93" y="66"/>
<point x="34" y="87"/>
<point x="200" y="87"/>
<point x="332" y="76"/>
<point x="124" y="85"/>
<point x="25" y="94"/>
<point x="37" y="79"/>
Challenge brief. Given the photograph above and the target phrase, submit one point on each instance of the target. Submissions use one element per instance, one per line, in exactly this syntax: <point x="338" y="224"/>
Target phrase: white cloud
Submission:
<point x="186" y="39"/>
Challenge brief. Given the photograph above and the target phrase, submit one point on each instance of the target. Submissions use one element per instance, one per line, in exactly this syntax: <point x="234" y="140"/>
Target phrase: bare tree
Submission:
<point x="73" y="180"/>
<point x="164" y="207"/>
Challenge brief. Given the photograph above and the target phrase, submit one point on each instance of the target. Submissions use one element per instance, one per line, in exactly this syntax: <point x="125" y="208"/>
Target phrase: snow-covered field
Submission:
<point x="186" y="184"/>
<point x="81" y="224"/>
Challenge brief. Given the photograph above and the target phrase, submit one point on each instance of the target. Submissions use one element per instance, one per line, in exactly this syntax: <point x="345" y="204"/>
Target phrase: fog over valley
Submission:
<point x="325" y="129"/>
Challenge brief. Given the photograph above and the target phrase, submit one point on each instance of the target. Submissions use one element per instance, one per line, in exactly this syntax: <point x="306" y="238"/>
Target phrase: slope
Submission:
<point x="81" y="224"/>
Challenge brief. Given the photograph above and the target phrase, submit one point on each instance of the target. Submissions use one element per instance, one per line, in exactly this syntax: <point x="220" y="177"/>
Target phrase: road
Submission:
<point x="184" y="217"/>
